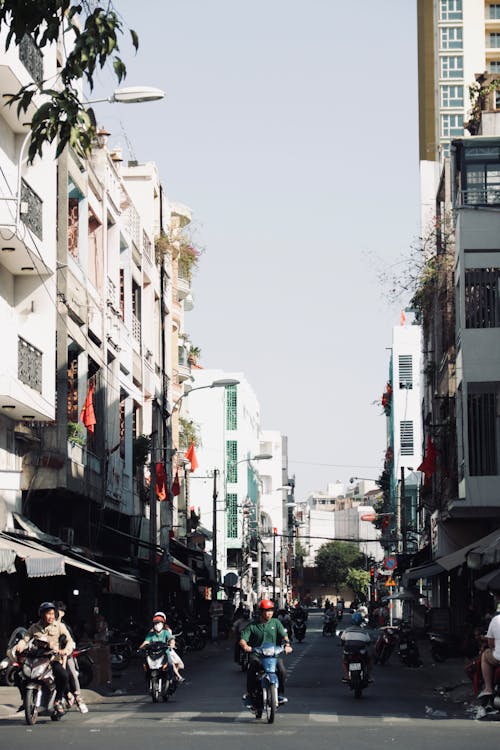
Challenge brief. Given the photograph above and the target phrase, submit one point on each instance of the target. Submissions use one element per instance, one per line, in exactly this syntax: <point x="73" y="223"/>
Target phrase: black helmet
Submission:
<point x="45" y="606"/>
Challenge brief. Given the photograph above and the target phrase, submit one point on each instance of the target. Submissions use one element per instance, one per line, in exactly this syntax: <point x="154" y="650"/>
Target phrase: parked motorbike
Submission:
<point x="159" y="674"/>
<point x="356" y="658"/>
<point x="83" y="663"/>
<point x="37" y="682"/>
<point x="196" y="636"/>
<point x="446" y="645"/>
<point x="121" y="650"/>
<point x="9" y="665"/>
<point x="266" y="697"/>
<point x="299" y="630"/>
<point x="408" y="650"/>
<point x="385" y="643"/>
<point x="329" y="625"/>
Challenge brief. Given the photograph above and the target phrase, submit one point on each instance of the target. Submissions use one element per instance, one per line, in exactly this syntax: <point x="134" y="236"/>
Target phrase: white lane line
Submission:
<point x="111" y="718"/>
<point x="181" y="716"/>
<point x="324" y="718"/>
<point x="244" y="716"/>
<point x="390" y="719"/>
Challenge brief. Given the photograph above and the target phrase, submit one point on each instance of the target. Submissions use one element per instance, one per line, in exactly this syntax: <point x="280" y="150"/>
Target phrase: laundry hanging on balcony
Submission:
<point x="191" y="456"/>
<point x="161" y="479"/>
<point x="87" y="415"/>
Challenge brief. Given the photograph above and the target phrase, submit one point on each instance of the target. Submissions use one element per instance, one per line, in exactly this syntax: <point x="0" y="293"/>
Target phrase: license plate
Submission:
<point x="355" y="666"/>
<point x="403" y="647"/>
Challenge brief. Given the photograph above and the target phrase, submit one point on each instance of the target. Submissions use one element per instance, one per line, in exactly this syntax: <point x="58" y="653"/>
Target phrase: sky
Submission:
<point x="290" y="129"/>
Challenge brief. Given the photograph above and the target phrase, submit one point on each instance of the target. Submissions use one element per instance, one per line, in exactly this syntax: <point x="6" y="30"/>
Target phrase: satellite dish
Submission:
<point x="230" y="580"/>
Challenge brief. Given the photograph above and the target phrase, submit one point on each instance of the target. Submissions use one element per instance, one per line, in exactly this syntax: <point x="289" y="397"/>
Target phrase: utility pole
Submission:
<point x="402" y="511"/>
<point x="153" y="500"/>
<point x="274" y="566"/>
<point x="215" y="585"/>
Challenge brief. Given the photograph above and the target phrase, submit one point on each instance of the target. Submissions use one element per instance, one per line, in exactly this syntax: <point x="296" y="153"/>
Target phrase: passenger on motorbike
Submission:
<point x="50" y="629"/>
<point x="490" y="657"/>
<point x="175" y="660"/>
<point x="239" y="626"/>
<point x="265" y="629"/>
<point x="355" y="636"/>
<point x="74" y="683"/>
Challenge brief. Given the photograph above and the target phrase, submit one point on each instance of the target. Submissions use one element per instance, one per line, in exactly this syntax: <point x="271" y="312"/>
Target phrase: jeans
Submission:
<point x="253" y="669"/>
<point x="61" y="679"/>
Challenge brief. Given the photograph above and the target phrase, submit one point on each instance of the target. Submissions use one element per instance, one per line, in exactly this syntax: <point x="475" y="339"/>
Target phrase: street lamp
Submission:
<point x="222" y="383"/>
<point x="131" y="95"/>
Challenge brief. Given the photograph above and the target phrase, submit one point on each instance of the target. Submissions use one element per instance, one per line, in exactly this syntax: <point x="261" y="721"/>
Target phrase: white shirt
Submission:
<point x="494" y="632"/>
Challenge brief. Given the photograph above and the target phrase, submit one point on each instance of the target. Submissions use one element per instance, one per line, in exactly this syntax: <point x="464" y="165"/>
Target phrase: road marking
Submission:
<point x="112" y="718"/>
<point x="324" y="718"/>
<point x="403" y="717"/>
<point x="181" y="716"/>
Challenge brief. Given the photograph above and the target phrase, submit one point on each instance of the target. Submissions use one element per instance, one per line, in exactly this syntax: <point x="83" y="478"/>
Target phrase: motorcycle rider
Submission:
<point x="265" y="629"/>
<point x="71" y="667"/>
<point x="49" y="628"/>
<point x="355" y="636"/>
<point x="160" y="631"/>
<point x="490" y="657"/>
<point x="239" y="626"/>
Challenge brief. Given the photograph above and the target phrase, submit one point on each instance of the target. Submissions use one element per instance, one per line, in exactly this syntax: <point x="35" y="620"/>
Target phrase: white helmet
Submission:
<point x="363" y="610"/>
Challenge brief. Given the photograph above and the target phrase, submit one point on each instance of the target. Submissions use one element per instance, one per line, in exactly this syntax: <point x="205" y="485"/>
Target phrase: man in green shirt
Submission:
<point x="266" y="629"/>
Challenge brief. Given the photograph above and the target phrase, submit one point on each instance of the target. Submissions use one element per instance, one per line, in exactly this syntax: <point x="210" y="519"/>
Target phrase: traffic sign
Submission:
<point x="390" y="582"/>
<point x="390" y="563"/>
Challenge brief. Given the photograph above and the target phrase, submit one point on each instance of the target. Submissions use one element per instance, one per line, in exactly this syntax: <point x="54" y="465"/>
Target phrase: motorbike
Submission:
<point x="159" y="674"/>
<point x="121" y="651"/>
<point x="83" y="663"/>
<point x="9" y="665"/>
<point x="266" y="697"/>
<point x="384" y="645"/>
<point x="37" y="682"/>
<point x="329" y="625"/>
<point x="243" y="660"/>
<point x="356" y="658"/>
<point x="446" y="645"/>
<point x="299" y="630"/>
<point x="408" y="650"/>
<point x="196" y="636"/>
<point x="340" y="611"/>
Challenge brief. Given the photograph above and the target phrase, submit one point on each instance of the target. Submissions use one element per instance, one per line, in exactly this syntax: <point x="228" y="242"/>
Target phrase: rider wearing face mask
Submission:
<point x="160" y="630"/>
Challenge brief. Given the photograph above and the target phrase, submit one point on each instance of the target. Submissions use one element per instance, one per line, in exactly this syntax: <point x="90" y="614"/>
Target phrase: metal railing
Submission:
<point x="29" y="364"/>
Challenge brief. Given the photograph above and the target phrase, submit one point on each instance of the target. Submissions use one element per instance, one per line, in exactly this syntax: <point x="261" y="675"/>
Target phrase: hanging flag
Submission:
<point x="191" y="456"/>
<point x="87" y="415"/>
<point x="428" y="465"/>
<point x="161" y="479"/>
<point x="176" y="487"/>
<point x="402" y="319"/>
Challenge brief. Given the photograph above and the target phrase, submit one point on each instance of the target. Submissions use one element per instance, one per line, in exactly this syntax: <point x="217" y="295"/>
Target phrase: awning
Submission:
<point x="490" y="581"/>
<point x="176" y="566"/>
<point x="33" y="531"/>
<point x="448" y="562"/>
<point x="422" y="571"/>
<point x="40" y="563"/>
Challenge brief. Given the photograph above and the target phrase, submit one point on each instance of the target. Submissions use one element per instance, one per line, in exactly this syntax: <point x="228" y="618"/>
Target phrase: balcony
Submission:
<point x="21" y="253"/>
<point x="22" y="398"/>
<point x="20" y="66"/>
<point x="136" y="328"/>
<point x="29" y="365"/>
<point x="183" y="287"/>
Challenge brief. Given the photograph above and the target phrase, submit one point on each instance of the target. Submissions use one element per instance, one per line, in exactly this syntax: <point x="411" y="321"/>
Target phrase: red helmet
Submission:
<point x="266" y="604"/>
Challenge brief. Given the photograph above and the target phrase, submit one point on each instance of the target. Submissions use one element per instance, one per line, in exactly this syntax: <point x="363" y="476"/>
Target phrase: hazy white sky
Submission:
<point x="290" y="129"/>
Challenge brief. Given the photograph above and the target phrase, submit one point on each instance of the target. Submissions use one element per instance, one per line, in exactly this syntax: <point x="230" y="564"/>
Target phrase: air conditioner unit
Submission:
<point x="67" y="534"/>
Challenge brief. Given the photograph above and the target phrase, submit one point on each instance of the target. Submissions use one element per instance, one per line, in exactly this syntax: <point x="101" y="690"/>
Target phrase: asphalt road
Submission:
<point x="322" y="713"/>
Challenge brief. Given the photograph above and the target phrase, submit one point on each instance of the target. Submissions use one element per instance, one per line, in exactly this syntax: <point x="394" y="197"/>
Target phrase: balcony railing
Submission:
<point x="31" y="209"/>
<point x="29" y="365"/>
<point x="147" y="247"/>
<point x="32" y="58"/>
<point x="482" y="195"/>
<point x="136" y="328"/>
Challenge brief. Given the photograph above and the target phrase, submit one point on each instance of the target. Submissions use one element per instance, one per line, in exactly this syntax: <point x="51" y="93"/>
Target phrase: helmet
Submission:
<point x="357" y="618"/>
<point x="45" y="606"/>
<point x="363" y="611"/>
<point x="160" y="617"/>
<point x="266" y="604"/>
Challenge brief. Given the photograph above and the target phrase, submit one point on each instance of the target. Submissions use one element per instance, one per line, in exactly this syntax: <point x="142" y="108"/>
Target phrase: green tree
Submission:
<point x="92" y="32"/>
<point x="334" y="559"/>
<point x="358" y="580"/>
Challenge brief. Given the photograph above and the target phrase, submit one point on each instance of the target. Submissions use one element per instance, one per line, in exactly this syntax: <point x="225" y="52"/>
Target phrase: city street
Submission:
<point x="208" y="710"/>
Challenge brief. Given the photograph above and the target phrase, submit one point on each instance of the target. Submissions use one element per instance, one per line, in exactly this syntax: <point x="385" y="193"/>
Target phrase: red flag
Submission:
<point x="87" y="415"/>
<point x="161" y="478"/>
<point x="176" y="487"/>
<point x="191" y="456"/>
<point x="428" y="465"/>
<point x="402" y="319"/>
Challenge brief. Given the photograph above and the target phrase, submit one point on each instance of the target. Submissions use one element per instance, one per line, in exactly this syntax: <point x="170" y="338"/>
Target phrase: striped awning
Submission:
<point x="40" y="562"/>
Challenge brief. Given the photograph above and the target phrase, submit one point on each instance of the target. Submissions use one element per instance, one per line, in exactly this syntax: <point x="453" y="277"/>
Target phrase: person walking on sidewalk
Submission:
<point x="490" y="658"/>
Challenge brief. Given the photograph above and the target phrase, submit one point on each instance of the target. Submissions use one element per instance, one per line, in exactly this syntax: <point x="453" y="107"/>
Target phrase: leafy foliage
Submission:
<point x="334" y="559"/>
<point x="94" y="41"/>
<point x="358" y="580"/>
<point x="189" y="432"/>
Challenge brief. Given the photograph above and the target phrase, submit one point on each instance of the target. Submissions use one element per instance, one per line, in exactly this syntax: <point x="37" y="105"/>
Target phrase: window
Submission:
<point x="452" y="126"/>
<point x="123" y="396"/>
<point x="231" y="407"/>
<point x="450" y="10"/>
<point x="73" y="412"/>
<point x="452" y="66"/>
<point x="444" y="150"/>
<point x="494" y="10"/>
<point x="497" y="99"/>
<point x="405" y="371"/>
<point x="406" y="431"/>
<point x="494" y="40"/>
<point x="232" y="515"/>
<point x="452" y="96"/>
<point x="481" y="298"/>
<point x="482" y="184"/>
<point x="494" y="66"/>
<point x="451" y="37"/>
<point x="482" y="428"/>
<point x="231" y="460"/>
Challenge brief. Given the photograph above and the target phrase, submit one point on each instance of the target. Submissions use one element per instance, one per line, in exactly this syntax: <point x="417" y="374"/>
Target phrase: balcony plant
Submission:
<point x="188" y="259"/>
<point x="76" y="433"/>
<point x="189" y="434"/>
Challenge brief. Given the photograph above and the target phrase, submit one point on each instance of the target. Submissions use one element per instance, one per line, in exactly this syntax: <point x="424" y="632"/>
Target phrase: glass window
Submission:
<point x="451" y="37"/>
<point x="482" y="423"/>
<point x="452" y="96"/>
<point x="232" y="515"/>
<point x="450" y="10"/>
<point x="494" y="10"/>
<point x="452" y="126"/>
<point x="494" y="66"/>
<point x="231" y="407"/>
<point x="494" y="40"/>
<point x="452" y="66"/>
<point x="231" y="460"/>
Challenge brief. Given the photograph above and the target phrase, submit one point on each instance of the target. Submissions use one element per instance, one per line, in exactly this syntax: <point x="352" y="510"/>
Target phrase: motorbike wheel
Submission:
<point x="155" y="690"/>
<point x="10" y="676"/>
<point x="324" y="630"/>
<point x="30" y="707"/>
<point x="356" y="685"/>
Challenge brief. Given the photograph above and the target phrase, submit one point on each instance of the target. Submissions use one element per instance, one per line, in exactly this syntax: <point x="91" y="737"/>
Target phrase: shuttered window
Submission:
<point x="405" y="371"/>
<point x="481" y="298"/>
<point x="231" y="407"/>
<point x="481" y="420"/>
<point x="406" y="432"/>
<point x="232" y="515"/>
<point x="231" y="459"/>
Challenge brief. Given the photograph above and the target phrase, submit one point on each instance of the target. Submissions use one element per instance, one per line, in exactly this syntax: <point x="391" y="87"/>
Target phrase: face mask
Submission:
<point x="158" y="626"/>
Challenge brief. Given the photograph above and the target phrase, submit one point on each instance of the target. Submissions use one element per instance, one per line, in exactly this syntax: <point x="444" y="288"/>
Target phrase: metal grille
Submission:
<point x="481" y="298"/>
<point x="406" y="432"/>
<point x="231" y="408"/>
<point x="231" y="459"/>
<point x="32" y="209"/>
<point x="31" y="57"/>
<point x="481" y="420"/>
<point x="232" y="515"/>
<point x="405" y="371"/>
<point x="29" y="365"/>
